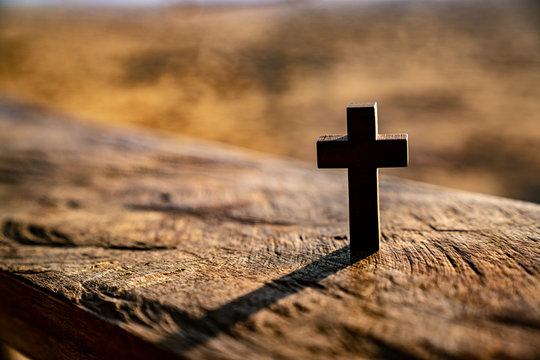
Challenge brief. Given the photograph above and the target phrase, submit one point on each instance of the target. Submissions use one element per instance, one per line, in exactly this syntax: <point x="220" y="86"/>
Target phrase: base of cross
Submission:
<point x="363" y="151"/>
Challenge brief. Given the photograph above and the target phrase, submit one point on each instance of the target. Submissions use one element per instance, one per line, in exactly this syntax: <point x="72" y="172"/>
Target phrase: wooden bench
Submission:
<point x="116" y="243"/>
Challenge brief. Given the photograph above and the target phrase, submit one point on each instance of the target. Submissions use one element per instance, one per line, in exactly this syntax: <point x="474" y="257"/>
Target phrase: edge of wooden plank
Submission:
<point x="31" y="319"/>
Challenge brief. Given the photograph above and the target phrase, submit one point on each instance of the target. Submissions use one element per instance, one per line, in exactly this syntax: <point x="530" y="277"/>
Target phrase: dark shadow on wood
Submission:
<point x="221" y="320"/>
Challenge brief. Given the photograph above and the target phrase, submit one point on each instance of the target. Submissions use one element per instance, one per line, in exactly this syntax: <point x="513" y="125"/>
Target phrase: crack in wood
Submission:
<point x="468" y="261"/>
<point x="33" y="234"/>
<point x="38" y="235"/>
<point x="219" y="213"/>
<point x="517" y="320"/>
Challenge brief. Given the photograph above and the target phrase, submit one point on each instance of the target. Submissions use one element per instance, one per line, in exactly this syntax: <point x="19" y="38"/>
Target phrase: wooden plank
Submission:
<point x="207" y="251"/>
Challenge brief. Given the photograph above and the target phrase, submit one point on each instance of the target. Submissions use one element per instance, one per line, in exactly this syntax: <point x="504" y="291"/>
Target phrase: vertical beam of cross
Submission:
<point x="364" y="226"/>
<point x="362" y="152"/>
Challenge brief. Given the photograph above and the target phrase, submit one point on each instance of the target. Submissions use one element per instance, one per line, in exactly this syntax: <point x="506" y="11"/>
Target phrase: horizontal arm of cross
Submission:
<point x="388" y="150"/>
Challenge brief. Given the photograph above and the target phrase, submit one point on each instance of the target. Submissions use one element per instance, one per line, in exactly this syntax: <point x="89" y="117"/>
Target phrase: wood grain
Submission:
<point x="209" y="252"/>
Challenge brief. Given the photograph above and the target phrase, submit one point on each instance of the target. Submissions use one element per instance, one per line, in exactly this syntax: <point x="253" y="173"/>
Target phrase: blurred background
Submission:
<point x="461" y="77"/>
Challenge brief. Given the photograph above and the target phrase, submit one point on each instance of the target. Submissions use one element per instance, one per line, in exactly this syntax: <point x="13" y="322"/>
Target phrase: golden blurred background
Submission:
<point x="461" y="77"/>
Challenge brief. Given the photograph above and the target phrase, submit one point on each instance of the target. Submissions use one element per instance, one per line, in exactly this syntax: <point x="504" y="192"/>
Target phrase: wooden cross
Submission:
<point x="363" y="151"/>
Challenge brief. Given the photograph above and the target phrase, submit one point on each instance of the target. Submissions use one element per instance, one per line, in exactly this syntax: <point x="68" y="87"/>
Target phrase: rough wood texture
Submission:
<point x="209" y="252"/>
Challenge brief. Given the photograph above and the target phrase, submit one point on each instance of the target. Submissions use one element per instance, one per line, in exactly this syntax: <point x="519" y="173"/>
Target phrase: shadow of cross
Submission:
<point x="196" y="331"/>
<point x="363" y="151"/>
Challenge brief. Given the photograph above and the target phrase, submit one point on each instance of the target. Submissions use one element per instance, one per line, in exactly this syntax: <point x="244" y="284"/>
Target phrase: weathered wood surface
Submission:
<point x="209" y="252"/>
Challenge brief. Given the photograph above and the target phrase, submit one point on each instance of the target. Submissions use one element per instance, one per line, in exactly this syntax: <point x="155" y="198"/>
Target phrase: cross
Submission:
<point x="363" y="151"/>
